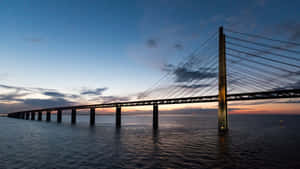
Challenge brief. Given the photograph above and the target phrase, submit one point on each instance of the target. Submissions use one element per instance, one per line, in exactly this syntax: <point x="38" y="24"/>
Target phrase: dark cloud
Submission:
<point x="290" y="28"/>
<point x="289" y="102"/>
<point x="178" y="46"/>
<point x="183" y="74"/>
<point x="7" y="108"/>
<point x="7" y="87"/>
<point x="97" y="91"/>
<point x="54" y="94"/>
<point x="109" y="99"/>
<point x="33" y="40"/>
<point x="47" y="102"/>
<point x="15" y="100"/>
<point x="22" y="104"/>
<point x="12" y="96"/>
<point x="142" y="95"/>
<point x="74" y="96"/>
<point x="261" y="3"/>
<point x="296" y="73"/>
<point x="151" y="43"/>
<point x="14" y="87"/>
<point x="295" y="85"/>
<point x="194" y="86"/>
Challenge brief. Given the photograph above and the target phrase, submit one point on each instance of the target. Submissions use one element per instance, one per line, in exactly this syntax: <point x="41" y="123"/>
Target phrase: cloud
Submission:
<point x="289" y="29"/>
<point x="97" y="91"/>
<point x="292" y="29"/>
<point x="74" y="96"/>
<point x="261" y="3"/>
<point x="19" y="98"/>
<point x="178" y="46"/>
<point x="114" y="98"/>
<point x="12" y="96"/>
<point x="151" y="43"/>
<point x="183" y="74"/>
<point x="289" y="102"/>
<point x="193" y="86"/>
<point x="6" y="108"/>
<point x="14" y="88"/>
<point x="295" y="85"/>
<point x="47" y="102"/>
<point x="54" y="94"/>
<point x="29" y="103"/>
<point x="33" y="40"/>
<point x="109" y="99"/>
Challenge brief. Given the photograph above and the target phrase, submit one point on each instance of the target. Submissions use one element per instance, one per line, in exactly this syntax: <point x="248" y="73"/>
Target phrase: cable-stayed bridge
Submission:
<point x="228" y="66"/>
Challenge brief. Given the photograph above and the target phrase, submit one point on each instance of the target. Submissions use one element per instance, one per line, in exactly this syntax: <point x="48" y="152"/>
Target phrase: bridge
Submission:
<point x="264" y="69"/>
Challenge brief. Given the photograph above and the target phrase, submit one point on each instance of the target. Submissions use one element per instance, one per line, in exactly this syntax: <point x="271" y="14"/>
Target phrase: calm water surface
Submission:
<point x="182" y="141"/>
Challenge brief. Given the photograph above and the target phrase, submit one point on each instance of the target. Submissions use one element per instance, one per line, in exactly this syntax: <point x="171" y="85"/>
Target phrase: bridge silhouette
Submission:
<point x="266" y="68"/>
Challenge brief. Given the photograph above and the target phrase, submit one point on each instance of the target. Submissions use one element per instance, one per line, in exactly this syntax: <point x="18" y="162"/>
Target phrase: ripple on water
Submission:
<point x="180" y="142"/>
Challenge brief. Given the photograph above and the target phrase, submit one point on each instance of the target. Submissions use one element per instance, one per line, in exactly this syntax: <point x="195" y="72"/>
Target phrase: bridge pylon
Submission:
<point x="222" y="97"/>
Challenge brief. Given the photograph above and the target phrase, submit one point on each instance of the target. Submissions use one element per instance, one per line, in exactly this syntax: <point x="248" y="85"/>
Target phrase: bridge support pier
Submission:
<point x="23" y="115"/>
<point x="40" y="116"/>
<point x="155" y="116"/>
<point x="73" y="116"/>
<point x="33" y="115"/>
<point x="222" y="98"/>
<point x="92" y="116"/>
<point x="27" y="115"/>
<point x="59" y="115"/>
<point x="118" y="116"/>
<point x="48" y="116"/>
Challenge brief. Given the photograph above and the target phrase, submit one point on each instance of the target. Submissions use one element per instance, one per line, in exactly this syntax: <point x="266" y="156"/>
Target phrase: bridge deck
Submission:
<point x="231" y="97"/>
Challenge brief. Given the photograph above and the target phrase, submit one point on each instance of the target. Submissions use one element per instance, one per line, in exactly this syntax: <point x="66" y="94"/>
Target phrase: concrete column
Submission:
<point x="48" y="116"/>
<point x="118" y="116"/>
<point x="155" y="116"/>
<point x="222" y="98"/>
<point x="23" y="115"/>
<point x="92" y="116"/>
<point x="59" y="115"/>
<point x="33" y="115"/>
<point x="27" y="115"/>
<point x="73" y="116"/>
<point x="40" y="114"/>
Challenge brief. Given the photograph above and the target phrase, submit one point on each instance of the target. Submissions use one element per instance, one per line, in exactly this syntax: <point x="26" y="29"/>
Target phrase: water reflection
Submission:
<point x="223" y="143"/>
<point x="252" y="142"/>
<point x="155" y="136"/>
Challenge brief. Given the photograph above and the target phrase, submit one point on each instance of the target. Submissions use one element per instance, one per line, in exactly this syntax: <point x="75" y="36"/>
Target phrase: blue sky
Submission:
<point x="114" y="48"/>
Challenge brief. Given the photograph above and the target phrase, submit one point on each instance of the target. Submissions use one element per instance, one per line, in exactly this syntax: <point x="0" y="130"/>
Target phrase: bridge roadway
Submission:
<point x="293" y="93"/>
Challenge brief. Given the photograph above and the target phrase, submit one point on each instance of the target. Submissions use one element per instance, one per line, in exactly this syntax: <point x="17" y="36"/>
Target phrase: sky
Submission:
<point x="69" y="52"/>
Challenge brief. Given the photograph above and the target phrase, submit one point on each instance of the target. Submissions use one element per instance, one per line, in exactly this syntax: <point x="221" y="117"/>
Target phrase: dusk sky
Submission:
<point x="62" y="52"/>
